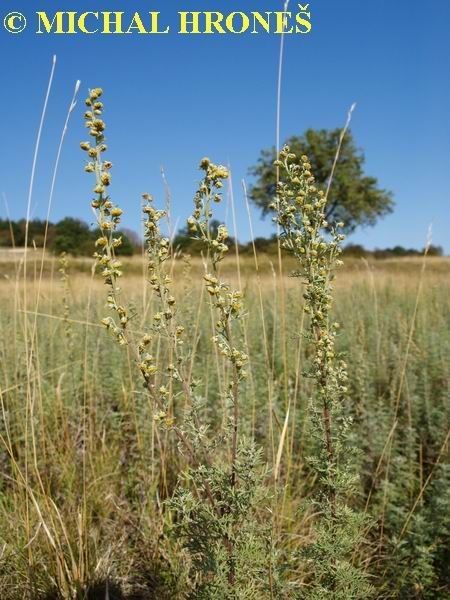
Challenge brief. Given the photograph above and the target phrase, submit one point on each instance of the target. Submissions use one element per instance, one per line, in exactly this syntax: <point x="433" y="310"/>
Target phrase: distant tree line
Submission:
<point x="75" y="237"/>
<point x="358" y="251"/>
<point x="70" y="235"/>
<point x="183" y="242"/>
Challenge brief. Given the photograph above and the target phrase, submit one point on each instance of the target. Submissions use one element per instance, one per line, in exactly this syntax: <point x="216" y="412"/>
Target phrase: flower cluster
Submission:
<point x="300" y="213"/>
<point x="158" y="251"/>
<point x="117" y="331"/>
<point x="147" y="364"/>
<point x="199" y="222"/>
<point x="149" y="369"/>
<point x="164" y="323"/>
<point x="229" y="306"/>
<point x="108" y="214"/>
<point x="228" y="303"/>
<point x="238" y="358"/>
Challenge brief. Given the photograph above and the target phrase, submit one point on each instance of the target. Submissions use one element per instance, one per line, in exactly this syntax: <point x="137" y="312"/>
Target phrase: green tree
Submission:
<point x="127" y="247"/>
<point x="184" y="242"/>
<point x="354" y="198"/>
<point x="72" y="236"/>
<point x="9" y="233"/>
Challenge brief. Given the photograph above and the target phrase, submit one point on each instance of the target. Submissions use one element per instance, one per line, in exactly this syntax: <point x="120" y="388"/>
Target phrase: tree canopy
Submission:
<point x="70" y="235"/>
<point x="354" y="197"/>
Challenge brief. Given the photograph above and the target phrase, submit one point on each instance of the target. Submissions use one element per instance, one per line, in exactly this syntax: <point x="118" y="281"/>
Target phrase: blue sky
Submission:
<point x="171" y="99"/>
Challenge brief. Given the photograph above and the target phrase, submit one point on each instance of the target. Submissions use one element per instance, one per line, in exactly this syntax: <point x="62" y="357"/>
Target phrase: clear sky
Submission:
<point x="172" y="99"/>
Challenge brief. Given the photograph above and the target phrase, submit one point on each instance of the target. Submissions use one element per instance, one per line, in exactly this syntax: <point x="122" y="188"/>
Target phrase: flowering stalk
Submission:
<point x="165" y="324"/>
<point x="108" y="218"/>
<point x="158" y="253"/>
<point x="212" y="519"/>
<point x="300" y="213"/>
<point x="227" y="303"/>
<point x="107" y="213"/>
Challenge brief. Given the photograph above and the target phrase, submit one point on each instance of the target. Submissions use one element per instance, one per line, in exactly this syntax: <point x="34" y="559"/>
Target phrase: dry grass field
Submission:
<point x="87" y="468"/>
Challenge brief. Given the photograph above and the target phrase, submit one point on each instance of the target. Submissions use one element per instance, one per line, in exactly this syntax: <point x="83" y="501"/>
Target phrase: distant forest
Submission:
<point x="70" y="235"/>
<point x="75" y="237"/>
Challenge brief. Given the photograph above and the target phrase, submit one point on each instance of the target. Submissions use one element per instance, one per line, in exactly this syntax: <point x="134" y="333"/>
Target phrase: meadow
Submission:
<point x="177" y="427"/>
<point x="86" y="469"/>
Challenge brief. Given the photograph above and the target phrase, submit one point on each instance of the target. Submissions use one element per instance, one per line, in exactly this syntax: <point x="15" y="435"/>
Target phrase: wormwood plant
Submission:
<point x="300" y="213"/>
<point x="108" y="214"/>
<point x="217" y="505"/>
<point x="228" y="541"/>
